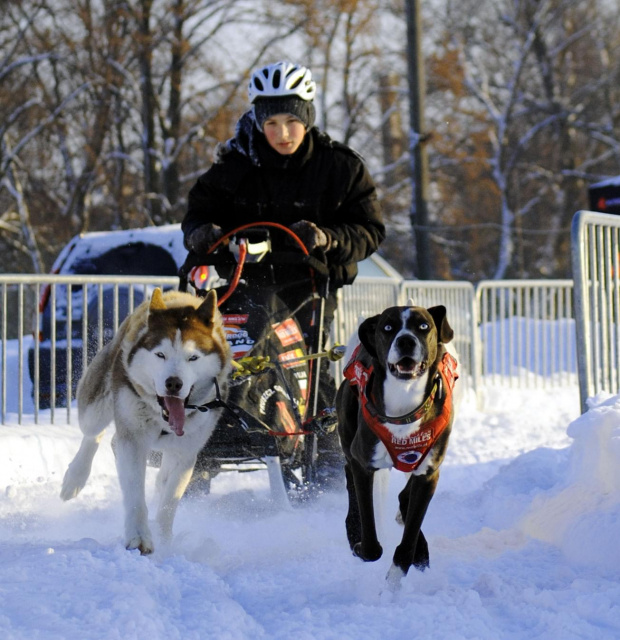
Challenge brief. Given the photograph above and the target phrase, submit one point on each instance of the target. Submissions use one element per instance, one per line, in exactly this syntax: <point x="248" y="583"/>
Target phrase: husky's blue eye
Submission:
<point x="192" y="358"/>
<point x="159" y="354"/>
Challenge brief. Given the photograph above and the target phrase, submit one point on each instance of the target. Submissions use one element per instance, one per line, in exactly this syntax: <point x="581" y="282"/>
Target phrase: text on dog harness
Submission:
<point x="407" y="453"/>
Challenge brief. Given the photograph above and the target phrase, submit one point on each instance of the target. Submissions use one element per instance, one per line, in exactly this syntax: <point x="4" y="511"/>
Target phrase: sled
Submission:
<point x="271" y="418"/>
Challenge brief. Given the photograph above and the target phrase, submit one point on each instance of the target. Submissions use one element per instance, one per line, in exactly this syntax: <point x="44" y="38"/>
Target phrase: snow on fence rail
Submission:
<point x="507" y="333"/>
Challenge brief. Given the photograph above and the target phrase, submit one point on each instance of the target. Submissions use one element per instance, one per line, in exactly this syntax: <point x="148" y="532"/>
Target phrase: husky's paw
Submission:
<point x="73" y="482"/>
<point x="142" y="543"/>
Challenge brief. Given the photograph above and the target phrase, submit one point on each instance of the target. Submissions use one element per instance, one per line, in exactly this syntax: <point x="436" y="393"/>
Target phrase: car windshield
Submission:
<point x="135" y="258"/>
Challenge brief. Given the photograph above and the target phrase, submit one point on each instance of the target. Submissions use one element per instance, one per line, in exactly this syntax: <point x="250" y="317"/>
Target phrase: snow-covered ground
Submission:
<point x="523" y="535"/>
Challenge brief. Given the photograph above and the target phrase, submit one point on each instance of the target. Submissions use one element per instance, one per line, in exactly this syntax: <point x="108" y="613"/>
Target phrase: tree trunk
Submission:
<point x="149" y="104"/>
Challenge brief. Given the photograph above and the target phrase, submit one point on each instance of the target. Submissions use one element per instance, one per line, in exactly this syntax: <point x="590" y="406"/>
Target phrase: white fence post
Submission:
<point x="595" y="248"/>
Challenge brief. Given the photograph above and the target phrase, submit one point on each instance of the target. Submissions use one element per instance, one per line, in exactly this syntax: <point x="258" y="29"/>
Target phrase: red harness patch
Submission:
<point x="407" y="453"/>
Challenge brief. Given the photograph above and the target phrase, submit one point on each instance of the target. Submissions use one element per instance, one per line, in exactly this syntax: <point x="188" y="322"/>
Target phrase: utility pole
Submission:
<point x="419" y="162"/>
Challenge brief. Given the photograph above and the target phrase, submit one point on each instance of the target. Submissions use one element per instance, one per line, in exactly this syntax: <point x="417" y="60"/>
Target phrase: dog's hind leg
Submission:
<point x="172" y="480"/>
<point x="93" y="421"/>
<point x="80" y="467"/>
<point x="352" y="521"/>
<point x="368" y="548"/>
<point x="380" y="489"/>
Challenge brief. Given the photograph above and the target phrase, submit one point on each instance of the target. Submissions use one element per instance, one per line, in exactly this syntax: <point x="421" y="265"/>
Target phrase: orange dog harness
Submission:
<point x="407" y="453"/>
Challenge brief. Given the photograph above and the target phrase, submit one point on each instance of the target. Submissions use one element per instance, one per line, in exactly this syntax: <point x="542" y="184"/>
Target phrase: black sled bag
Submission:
<point x="258" y="323"/>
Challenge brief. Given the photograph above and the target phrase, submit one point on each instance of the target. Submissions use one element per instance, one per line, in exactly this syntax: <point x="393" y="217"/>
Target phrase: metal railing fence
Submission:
<point x="44" y="331"/>
<point x="365" y="298"/>
<point x="369" y="296"/>
<point x="508" y="333"/>
<point x="526" y="333"/>
<point x="595" y="242"/>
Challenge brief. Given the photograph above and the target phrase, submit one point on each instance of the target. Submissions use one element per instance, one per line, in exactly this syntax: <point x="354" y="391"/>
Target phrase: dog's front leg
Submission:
<point x="368" y="548"/>
<point x="131" y="456"/>
<point x="413" y="548"/>
<point x="172" y="480"/>
<point x="420" y="555"/>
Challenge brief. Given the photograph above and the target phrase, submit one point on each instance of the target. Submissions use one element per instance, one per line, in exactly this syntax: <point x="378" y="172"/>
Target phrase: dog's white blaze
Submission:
<point x="393" y="354"/>
<point x="403" y="396"/>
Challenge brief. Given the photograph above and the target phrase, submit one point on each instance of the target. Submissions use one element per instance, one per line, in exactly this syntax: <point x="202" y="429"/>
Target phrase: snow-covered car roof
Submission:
<point x="89" y="247"/>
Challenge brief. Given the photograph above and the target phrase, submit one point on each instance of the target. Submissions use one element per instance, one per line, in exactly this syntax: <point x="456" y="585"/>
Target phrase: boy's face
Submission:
<point x="284" y="133"/>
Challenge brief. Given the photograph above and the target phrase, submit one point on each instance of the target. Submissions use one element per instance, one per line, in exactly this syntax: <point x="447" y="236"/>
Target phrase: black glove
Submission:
<point x="201" y="239"/>
<point x="312" y="236"/>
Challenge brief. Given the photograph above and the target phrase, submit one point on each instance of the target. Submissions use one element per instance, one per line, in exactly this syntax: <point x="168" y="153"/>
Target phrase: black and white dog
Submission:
<point x="395" y="409"/>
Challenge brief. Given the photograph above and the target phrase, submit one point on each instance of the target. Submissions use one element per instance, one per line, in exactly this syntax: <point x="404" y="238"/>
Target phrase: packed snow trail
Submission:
<point x="522" y="534"/>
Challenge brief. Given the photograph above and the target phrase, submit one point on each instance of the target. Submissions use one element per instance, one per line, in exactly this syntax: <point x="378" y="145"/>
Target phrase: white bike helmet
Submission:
<point x="282" y="79"/>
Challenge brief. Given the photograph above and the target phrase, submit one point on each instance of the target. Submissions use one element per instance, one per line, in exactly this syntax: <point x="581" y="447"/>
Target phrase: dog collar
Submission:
<point x="407" y="453"/>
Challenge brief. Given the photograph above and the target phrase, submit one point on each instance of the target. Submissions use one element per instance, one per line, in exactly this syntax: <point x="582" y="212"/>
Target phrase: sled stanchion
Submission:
<point x="319" y="344"/>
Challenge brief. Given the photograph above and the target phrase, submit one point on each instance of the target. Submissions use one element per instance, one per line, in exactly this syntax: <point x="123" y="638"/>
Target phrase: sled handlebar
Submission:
<point x="259" y="250"/>
<point x="251" y="247"/>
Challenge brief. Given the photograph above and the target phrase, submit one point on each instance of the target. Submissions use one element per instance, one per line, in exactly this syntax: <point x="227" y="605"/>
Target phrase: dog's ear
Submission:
<point x="208" y="311"/>
<point x="157" y="301"/>
<point x="444" y="330"/>
<point x="366" y="333"/>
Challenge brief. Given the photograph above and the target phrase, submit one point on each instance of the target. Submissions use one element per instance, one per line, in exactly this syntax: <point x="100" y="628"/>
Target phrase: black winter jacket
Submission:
<point x="324" y="182"/>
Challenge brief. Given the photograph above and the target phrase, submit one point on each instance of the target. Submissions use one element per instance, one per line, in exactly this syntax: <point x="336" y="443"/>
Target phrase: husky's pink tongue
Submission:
<point x="176" y="413"/>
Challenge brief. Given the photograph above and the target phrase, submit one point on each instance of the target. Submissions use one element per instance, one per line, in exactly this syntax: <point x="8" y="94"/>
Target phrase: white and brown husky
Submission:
<point x="155" y="381"/>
